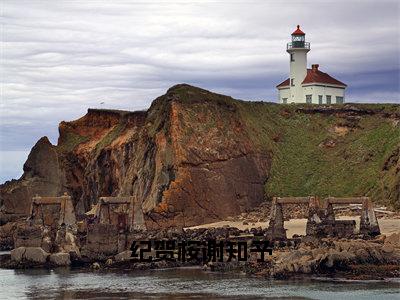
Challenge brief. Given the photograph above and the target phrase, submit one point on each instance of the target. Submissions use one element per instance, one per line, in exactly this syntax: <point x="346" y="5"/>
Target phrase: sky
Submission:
<point x="58" y="58"/>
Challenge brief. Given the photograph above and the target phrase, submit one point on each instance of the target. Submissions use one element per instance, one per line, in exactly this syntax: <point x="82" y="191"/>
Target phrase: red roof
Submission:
<point x="316" y="76"/>
<point x="298" y="31"/>
<point x="284" y="83"/>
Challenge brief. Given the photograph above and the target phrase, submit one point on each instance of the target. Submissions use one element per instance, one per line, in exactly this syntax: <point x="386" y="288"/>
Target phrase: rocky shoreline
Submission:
<point x="357" y="259"/>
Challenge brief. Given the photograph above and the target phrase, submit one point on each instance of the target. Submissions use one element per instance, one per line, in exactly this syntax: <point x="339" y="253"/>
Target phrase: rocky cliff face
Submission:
<point x="195" y="156"/>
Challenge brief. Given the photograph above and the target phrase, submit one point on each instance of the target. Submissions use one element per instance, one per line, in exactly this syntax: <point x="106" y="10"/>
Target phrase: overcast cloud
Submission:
<point x="60" y="57"/>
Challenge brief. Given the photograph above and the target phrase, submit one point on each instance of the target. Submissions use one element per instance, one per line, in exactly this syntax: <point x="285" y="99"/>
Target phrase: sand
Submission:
<point x="298" y="226"/>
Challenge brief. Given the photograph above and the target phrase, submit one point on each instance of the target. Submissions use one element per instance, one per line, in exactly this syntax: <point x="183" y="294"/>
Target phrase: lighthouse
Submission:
<point x="307" y="85"/>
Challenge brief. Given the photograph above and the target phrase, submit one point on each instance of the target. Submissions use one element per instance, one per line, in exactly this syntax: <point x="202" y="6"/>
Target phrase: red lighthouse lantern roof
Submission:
<point x="298" y="31"/>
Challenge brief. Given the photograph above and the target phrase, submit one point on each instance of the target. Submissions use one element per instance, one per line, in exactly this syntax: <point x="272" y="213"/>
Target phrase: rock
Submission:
<point x="18" y="254"/>
<point x="362" y="255"/>
<point x="35" y="254"/>
<point x="41" y="176"/>
<point x="123" y="256"/>
<point x="393" y="240"/>
<point x="60" y="259"/>
<point x="339" y="259"/>
<point x="27" y="235"/>
<point x="95" y="266"/>
<point x="387" y="248"/>
<point x="66" y="241"/>
<point x="6" y="236"/>
<point x="47" y="244"/>
<point x="379" y="239"/>
<point x="31" y="254"/>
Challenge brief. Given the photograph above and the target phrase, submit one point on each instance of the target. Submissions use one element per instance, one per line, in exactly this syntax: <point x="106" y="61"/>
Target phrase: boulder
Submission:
<point x="6" y="236"/>
<point x="60" y="259"/>
<point x="95" y="266"/>
<point x="379" y="239"/>
<point x="362" y="255"/>
<point x="35" y="254"/>
<point x="387" y="248"/>
<point x="393" y="240"/>
<point x="17" y="254"/>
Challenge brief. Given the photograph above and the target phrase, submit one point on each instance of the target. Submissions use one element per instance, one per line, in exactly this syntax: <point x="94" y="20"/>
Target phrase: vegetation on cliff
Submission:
<point x="337" y="150"/>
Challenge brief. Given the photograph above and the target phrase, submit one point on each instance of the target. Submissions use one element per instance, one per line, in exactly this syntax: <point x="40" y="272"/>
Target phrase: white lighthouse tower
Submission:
<point x="298" y="50"/>
<point x="307" y="85"/>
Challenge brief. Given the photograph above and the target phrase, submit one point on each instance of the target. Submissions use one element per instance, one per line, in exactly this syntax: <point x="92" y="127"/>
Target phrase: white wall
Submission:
<point x="316" y="90"/>
<point x="298" y="71"/>
<point x="284" y="93"/>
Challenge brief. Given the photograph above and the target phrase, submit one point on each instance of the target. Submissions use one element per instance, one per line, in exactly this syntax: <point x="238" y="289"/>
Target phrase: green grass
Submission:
<point x="110" y="137"/>
<point x="351" y="168"/>
<point x="301" y="167"/>
<point x="71" y="140"/>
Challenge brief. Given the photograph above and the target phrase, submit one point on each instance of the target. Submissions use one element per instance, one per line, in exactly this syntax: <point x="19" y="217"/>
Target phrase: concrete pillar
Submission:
<point x="67" y="213"/>
<point x="314" y="216"/>
<point x="329" y="213"/>
<point x="368" y="222"/>
<point x="276" y="228"/>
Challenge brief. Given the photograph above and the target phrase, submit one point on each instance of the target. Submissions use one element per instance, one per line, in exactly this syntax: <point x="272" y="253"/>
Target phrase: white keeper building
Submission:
<point x="307" y="85"/>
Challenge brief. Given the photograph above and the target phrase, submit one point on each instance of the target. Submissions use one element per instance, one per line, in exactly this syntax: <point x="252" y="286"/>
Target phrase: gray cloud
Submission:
<point x="61" y="57"/>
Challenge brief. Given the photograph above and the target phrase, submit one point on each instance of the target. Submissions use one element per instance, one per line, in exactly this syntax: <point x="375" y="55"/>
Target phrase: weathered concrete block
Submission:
<point x="28" y="236"/>
<point x="102" y="240"/>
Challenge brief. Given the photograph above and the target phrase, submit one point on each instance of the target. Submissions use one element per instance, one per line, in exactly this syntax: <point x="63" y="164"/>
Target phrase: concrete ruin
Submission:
<point x="109" y="224"/>
<point x="321" y="218"/>
<point x="51" y="225"/>
<point x="52" y="211"/>
<point x="123" y="212"/>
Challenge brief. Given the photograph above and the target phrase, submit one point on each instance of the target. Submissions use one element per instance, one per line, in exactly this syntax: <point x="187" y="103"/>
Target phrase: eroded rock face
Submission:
<point x="41" y="176"/>
<point x="193" y="157"/>
<point x="186" y="167"/>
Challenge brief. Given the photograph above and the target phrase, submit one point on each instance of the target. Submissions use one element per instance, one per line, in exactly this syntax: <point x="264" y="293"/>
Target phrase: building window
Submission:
<point x="284" y="100"/>
<point x="339" y="100"/>
<point x="291" y="57"/>
<point x="328" y="99"/>
<point x="292" y="82"/>
<point x="319" y="99"/>
<point x="308" y="98"/>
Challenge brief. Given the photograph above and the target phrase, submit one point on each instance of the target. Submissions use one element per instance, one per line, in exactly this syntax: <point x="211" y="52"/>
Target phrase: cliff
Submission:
<point x="196" y="156"/>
